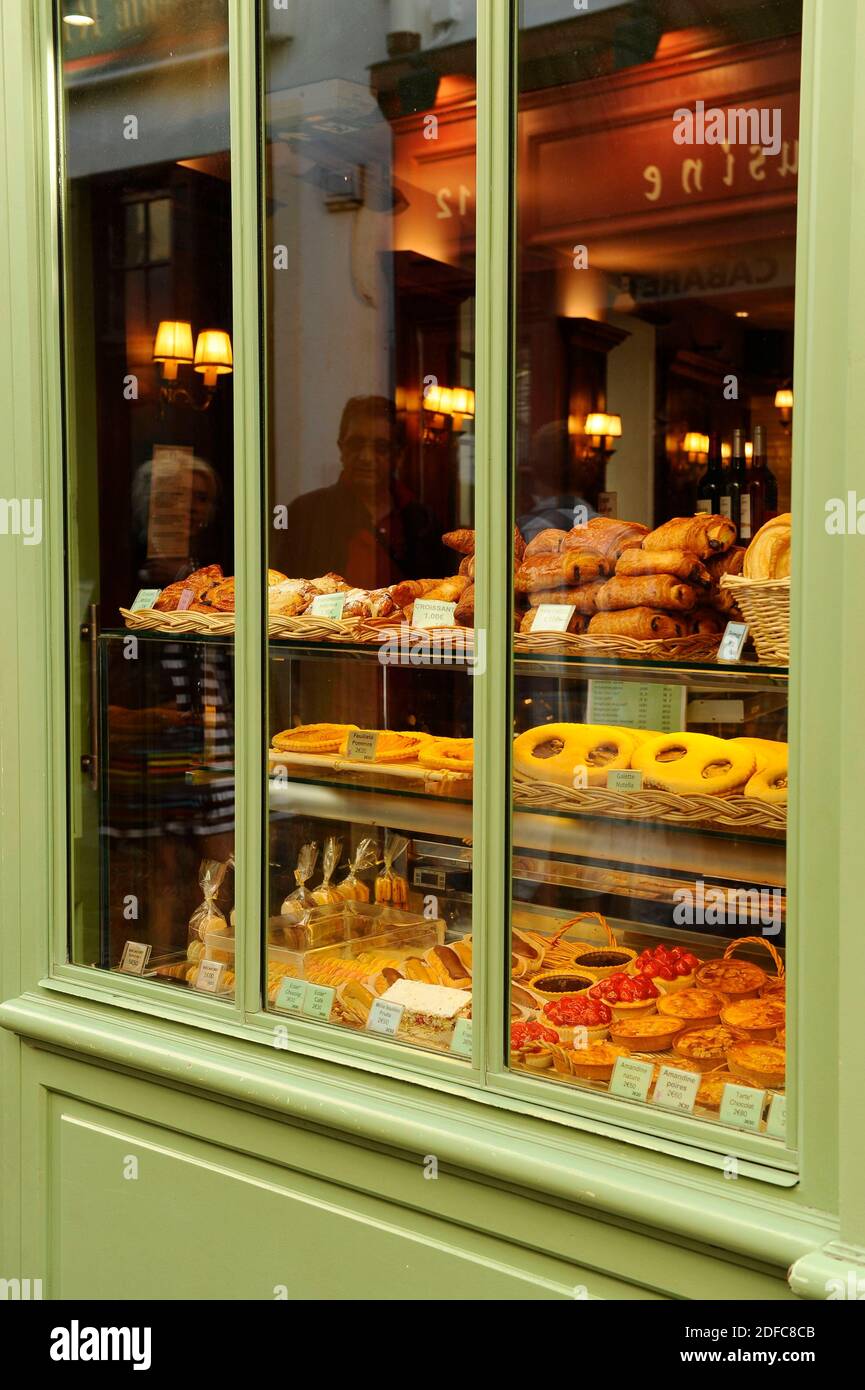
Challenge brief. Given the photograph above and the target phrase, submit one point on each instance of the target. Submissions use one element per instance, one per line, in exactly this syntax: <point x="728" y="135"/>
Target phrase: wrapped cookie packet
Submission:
<point x="208" y="917"/>
<point x="392" y="887"/>
<point x="327" y="892"/>
<point x="301" y="901"/>
<point x="352" y="888"/>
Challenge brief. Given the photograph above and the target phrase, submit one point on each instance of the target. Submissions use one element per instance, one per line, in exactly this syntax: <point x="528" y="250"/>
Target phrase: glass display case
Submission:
<point x="647" y="493"/>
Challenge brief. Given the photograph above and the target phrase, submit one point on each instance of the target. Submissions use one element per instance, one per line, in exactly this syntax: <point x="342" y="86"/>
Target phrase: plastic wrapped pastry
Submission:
<point x="352" y="888"/>
<point x="327" y="892"/>
<point x="207" y="917"/>
<point x="390" y="886"/>
<point x="301" y="901"/>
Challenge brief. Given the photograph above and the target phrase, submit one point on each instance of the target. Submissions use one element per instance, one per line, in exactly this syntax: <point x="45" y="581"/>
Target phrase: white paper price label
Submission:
<point x="631" y="1078"/>
<point x="461" y="1041"/>
<point x="637" y="705"/>
<point x="209" y="977"/>
<point x="677" y="1090"/>
<point x="318" y="1002"/>
<point x="290" y="996"/>
<point x="776" y="1121"/>
<point x="145" y="598"/>
<point x="135" y="956"/>
<point x="362" y="745"/>
<point x="185" y="600"/>
<point x="327" y="606"/>
<point x="624" y="779"/>
<point x="733" y="642"/>
<point x="742" y="1106"/>
<point x="553" y="617"/>
<point x="384" y="1017"/>
<point x="433" y="612"/>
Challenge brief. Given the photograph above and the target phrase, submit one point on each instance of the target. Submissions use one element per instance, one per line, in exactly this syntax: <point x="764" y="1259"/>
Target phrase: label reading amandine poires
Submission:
<point x="677" y="1090"/>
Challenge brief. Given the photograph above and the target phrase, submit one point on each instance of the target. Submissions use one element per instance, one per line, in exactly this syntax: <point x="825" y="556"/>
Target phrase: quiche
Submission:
<point x="763" y="1064"/>
<point x="737" y="979"/>
<point x="758" y="1018"/>
<point x="653" y="1033"/>
<point x="707" y="1048"/>
<point x="695" y="1007"/>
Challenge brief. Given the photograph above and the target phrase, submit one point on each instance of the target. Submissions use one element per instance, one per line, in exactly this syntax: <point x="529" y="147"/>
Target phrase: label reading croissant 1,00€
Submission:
<point x="362" y="745"/>
<point x="677" y="1090"/>
<point x="553" y="617"/>
<point x="433" y="612"/>
<point x="637" y="705"/>
<point x="145" y="598"/>
<point x="631" y="1078"/>
<point x="327" y="606"/>
<point x="384" y="1017"/>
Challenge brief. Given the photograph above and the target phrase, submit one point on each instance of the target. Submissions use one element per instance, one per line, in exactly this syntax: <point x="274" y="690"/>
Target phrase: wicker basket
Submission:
<point x="736" y="812"/>
<point x="300" y="629"/>
<point x="697" y="648"/>
<point x="765" y="605"/>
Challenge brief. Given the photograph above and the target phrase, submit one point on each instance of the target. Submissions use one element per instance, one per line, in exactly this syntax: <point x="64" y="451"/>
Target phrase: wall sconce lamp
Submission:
<point x="695" y="445"/>
<point x="445" y="403"/>
<point x="601" y="431"/>
<point x="784" y="404"/>
<point x="211" y="358"/>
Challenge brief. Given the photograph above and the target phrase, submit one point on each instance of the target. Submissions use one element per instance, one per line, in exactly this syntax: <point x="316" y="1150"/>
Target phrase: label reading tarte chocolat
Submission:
<point x="553" y="617"/>
<point x="135" y="956"/>
<point x="318" y="1001"/>
<point x="145" y="598"/>
<point x="362" y="745"/>
<point x="384" y="1017"/>
<point x="631" y="1078"/>
<point x="677" y="1090"/>
<point x="433" y="612"/>
<point x="290" y="996"/>
<point x="327" y="606"/>
<point x="742" y="1106"/>
<point x="461" y="1042"/>
<point x="776" y="1122"/>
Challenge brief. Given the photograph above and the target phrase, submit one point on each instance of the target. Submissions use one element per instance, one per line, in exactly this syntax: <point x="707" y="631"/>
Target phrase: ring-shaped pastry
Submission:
<point x="312" y="738"/>
<point x="390" y="747"/>
<point x="693" y="763"/>
<point x="769" y="784"/>
<point x="448" y="754"/>
<point x="555" y="752"/>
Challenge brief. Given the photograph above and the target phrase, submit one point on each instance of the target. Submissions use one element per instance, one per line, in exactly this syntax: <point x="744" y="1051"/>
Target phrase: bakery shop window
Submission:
<point x="370" y="286"/>
<point x="148" y="379"/>
<point x="653" y="394"/>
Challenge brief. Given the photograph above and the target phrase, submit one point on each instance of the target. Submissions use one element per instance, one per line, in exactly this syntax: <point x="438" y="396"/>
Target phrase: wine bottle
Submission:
<point x="767" y="477"/>
<point x="740" y="498"/>
<point x="709" y="491"/>
<point x="756" y="480"/>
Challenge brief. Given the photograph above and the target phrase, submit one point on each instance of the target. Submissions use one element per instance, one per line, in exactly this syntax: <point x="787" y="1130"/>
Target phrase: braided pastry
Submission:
<point x="554" y="752"/>
<point x="693" y="763"/>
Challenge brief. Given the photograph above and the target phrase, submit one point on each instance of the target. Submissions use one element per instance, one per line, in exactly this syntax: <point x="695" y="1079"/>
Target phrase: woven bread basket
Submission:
<point x="765" y="605"/>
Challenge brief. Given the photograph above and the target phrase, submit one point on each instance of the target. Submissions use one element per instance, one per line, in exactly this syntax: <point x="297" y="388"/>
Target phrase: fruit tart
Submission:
<point x="577" y="1014"/>
<point x="628" y="996"/>
<point x="671" y="967"/>
<point x="530" y="1045"/>
<point x="706" y="1048"/>
<point x="697" y="1008"/>
<point x="652" y="1033"/>
<point x="757" y="1018"/>
<point x="737" y="979"/>
<point x="763" y="1064"/>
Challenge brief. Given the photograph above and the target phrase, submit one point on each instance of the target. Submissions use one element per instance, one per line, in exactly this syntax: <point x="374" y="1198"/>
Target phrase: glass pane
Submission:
<point x="147" y="246"/>
<point x="656" y="206"/>
<point x="370" y="207"/>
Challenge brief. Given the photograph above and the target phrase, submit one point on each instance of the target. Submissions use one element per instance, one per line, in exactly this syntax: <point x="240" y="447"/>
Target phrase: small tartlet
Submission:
<point x="706" y="1048"/>
<point x="601" y="961"/>
<point x="697" y="1008"/>
<point x="592" y="1063"/>
<point x="555" y="984"/>
<point x="759" y="1019"/>
<point x="651" y="1033"/>
<point x="711" y="1091"/>
<point x="763" y="1064"/>
<point x="736" y="979"/>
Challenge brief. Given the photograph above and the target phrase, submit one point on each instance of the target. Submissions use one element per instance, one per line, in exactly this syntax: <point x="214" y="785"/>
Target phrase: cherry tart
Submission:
<point x="672" y="968"/>
<point x="531" y="1043"/>
<point x="578" y="1016"/>
<point x="628" y="996"/>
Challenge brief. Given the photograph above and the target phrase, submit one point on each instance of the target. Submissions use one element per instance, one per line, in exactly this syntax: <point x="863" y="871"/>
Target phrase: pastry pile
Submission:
<point x="579" y="755"/>
<point x="439" y="754"/>
<point x="627" y="581"/>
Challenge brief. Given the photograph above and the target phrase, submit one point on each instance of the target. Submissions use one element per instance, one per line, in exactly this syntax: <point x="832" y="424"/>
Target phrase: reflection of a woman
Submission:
<point x="367" y="526"/>
<point x="170" y="753"/>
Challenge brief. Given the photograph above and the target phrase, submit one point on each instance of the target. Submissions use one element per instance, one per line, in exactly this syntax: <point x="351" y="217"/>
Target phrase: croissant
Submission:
<point x="547" y="542"/>
<point x="768" y="555"/>
<point x="584" y="598"/>
<point x="462" y="541"/>
<point x="464" y="613"/>
<point x="200" y="581"/>
<point x="652" y="590"/>
<point x="410" y="589"/>
<point x="704" y="534"/>
<point x="328" y="584"/>
<point x="704" y="621"/>
<point x="467" y="566"/>
<point x="729" y="563"/>
<point x="641" y="623"/>
<point x="682" y="564"/>
<point x="578" y="622"/>
<point x="519" y="545"/>
<point x="605" y="536"/>
<point x="554" y="571"/>
<point x="449" y="590"/>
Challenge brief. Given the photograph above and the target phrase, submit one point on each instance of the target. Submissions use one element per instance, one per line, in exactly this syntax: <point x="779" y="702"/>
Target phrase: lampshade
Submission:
<point x="695" y="443"/>
<point x="213" y="354"/>
<point x="784" y="399"/>
<point x="173" y="345"/>
<point x="601" y="424"/>
<point x="749" y="450"/>
<point x="431" y="398"/>
<point x="463" y="401"/>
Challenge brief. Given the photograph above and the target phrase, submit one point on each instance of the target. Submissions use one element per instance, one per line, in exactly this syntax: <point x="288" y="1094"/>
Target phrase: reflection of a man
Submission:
<point x="367" y="526"/>
<point x="548" y="487"/>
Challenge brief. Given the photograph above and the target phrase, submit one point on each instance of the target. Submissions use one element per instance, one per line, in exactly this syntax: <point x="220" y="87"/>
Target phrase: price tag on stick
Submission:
<point x="733" y="642"/>
<point x="135" y="956"/>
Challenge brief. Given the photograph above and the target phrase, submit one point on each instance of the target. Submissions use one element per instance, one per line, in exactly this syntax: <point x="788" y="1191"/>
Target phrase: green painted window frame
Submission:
<point x="828" y="801"/>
